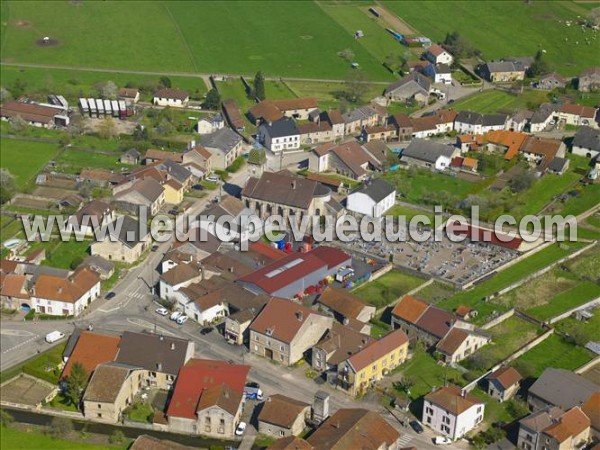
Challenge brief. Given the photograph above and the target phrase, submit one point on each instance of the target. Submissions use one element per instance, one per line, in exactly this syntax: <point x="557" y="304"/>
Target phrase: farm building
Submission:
<point x="171" y="97"/>
<point x="36" y="114"/>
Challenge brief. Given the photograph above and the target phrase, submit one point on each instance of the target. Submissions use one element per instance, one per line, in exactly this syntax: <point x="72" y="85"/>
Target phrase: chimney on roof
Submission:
<point x="172" y="345"/>
<point x="162" y="338"/>
<point x="159" y="367"/>
<point x="463" y="393"/>
<point x="59" y="289"/>
<point x="299" y="316"/>
<point x="231" y="269"/>
<point x="294" y="184"/>
<point x="346" y="321"/>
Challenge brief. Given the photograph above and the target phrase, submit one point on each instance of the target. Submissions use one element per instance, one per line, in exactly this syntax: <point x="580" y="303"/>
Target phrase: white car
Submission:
<point x="175" y="315"/>
<point x="442" y="440"/>
<point x="213" y="178"/>
<point x="182" y="319"/>
<point x="240" y="428"/>
<point x="162" y="311"/>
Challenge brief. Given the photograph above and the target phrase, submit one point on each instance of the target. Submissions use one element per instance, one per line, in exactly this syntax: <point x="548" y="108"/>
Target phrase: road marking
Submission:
<point x="9" y="332"/>
<point x="137" y="295"/>
<point x="14" y="347"/>
<point x="405" y="439"/>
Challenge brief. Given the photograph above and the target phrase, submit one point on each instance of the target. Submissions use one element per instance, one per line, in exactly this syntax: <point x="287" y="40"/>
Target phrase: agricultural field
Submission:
<point x="475" y="297"/>
<point x="553" y="352"/>
<point x="491" y="101"/>
<point x="233" y="88"/>
<point x="387" y="288"/>
<point x="537" y="25"/>
<point x="24" y="169"/>
<point x="72" y="161"/>
<point x="73" y="83"/>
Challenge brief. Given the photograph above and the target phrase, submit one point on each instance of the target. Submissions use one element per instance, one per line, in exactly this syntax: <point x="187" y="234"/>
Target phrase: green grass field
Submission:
<point x="554" y="352"/>
<point x="13" y="439"/>
<point x="328" y="93"/>
<point x="512" y="29"/>
<point x="387" y="288"/>
<point x="501" y="102"/>
<point x="24" y="159"/>
<point x="234" y="89"/>
<point x="580" y="294"/>
<point x="72" y="161"/>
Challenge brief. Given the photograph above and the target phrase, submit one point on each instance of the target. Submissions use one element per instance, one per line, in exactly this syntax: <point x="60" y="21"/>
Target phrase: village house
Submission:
<point x="210" y="124"/>
<point x="362" y="370"/>
<point x="413" y="86"/>
<point x="295" y="273"/>
<point x="103" y="267"/>
<point x="507" y="142"/>
<point x="355" y="428"/>
<point x="366" y="116"/>
<point x="130" y="157"/>
<point x="373" y="198"/>
<point x="315" y="132"/>
<point x="470" y="142"/>
<point x="287" y="195"/>
<point x="273" y="110"/>
<point x="177" y="275"/>
<point x="237" y="324"/>
<point x="208" y="398"/>
<point x="285" y="330"/>
<point x="124" y="244"/>
<point x="94" y="215"/>
<point x="349" y="159"/>
<point x="379" y="132"/>
<point x="144" y="193"/>
<point x="451" y="411"/>
<point x="561" y="388"/>
<point x="279" y="135"/>
<point x="130" y="95"/>
<point x="282" y="416"/>
<point x="503" y="383"/>
<point x="335" y="119"/>
<point x="460" y="343"/>
<point x="551" y="81"/>
<point x="589" y="80"/>
<point x="238" y="219"/>
<point x="439" y="73"/>
<point x="380" y="152"/>
<point x="234" y="116"/>
<point x="540" y="152"/>
<point x="339" y="342"/>
<point x="35" y="114"/>
<point x="519" y="120"/>
<point x="468" y="122"/>
<point x="171" y="97"/>
<point x="290" y="443"/>
<point x="553" y="429"/>
<point x="344" y="306"/>
<point x="437" y="54"/>
<point x="428" y="154"/>
<point x="591" y="408"/>
<point x="578" y="115"/>
<point x="505" y="71"/>
<point x="57" y="295"/>
<point x="110" y="391"/>
<point x="586" y="142"/>
<point x="558" y="166"/>
<point x="464" y="163"/>
<point x="542" y="118"/>
<point x="155" y="156"/>
<point x="225" y="145"/>
<point x="90" y="350"/>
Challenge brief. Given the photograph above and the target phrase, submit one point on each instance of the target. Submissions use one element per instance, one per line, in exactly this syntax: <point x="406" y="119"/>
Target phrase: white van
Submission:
<point x="54" y="336"/>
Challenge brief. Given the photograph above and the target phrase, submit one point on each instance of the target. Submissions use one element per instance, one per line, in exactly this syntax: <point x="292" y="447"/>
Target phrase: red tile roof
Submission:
<point x="378" y="349"/>
<point x="266" y="250"/>
<point x="69" y="289"/>
<point x="451" y="399"/>
<point x="578" y="110"/>
<point x="198" y="375"/>
<point x="410" y="309"/>
<point x="281" y="319"/>
<point x="14" y="285"/>
<point x="506" y="376"/>
<point x="570" y="424"/>
<point x="92" y="349"/>
<point x="331" y="255"/>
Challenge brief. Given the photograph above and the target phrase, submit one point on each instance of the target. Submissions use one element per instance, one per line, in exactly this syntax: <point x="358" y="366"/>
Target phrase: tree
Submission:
<point x="107" y="90"/>
<point x="593" y="19"/>
<point x="117" y="437"/>
<point x="5" y="95"/>
<point x="347" y="54"/>
<point x="521" y="181"/>
<point x="76" y="383"/>
<point x="459" y="46"/>
<point x="140" y="133"/>
<point x="259" y="86"/>
<point x="539" y="65"/>
<point x="355" y="86"/>
<point x="18" y="88"/>
<point x="395" y="62"/>
<point x="18" y="125"/>
<point x="517" y="408"/>
<point x="7" y="186"/>
<point x="165" y="82"/>
<point x="257" y="156"/>
<point x="107" y="128"/>
<point x="213" y="99"/>
<point x="60" y="427"/>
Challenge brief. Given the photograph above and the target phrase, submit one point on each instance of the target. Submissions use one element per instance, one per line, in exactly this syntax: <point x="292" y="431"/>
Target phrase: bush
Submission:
<point x="117" y="437"/>
<point x="60" y="427"/>
<point x="30" y="315"/>
<point x="5" y="418"/>
<point x="236" y="165"/>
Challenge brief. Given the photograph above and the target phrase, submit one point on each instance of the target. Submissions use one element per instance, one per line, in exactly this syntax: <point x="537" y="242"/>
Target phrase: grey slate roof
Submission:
<point x="420" y="81"/>
<point x="153" y="352"/>
<point x="281" y="128"/>
<point x="224" y="139"/>
<point x="487" y="120"/>
<point x="426" y="150"/>
<point x="557" y="164"/>
<point x="126" y="229"/>
<point x="282" y="189"/>
<point x="177" y="171"/>
<point x="587" y="137"/>
<point x="377" y="189"/>
<point x="563" y="388"/>
<point x="442" y="68"/>
<point x="541" y="115"/>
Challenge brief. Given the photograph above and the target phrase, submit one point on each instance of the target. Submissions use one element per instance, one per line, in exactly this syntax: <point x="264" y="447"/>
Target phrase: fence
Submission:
<point x="588" y="365"/>
<point x="501" y="318"/>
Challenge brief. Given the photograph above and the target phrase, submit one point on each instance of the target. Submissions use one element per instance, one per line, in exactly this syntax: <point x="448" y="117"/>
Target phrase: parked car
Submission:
<point x="176" y="315"/>
<point x="173" y="212"/>
<point x="197" y="187"/>
<point x="109" y="295"/>
<point x="415" y="425"/>
<point x="154" y="248"/>
<point x="240" y="428"/>
<point x="206" y="330"/>
<point x="442" y="440"/>
<point x="253" y="384"/>
<point x="252" y="393"/>
<point x="54" y="336"/>
<point x="162" y="311"/>
<point x="213" y="178"/>
<point x="182" y="319"/>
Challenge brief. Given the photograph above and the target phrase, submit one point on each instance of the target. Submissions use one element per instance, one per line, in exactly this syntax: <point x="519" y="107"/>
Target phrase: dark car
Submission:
<point x="416" y="426"/>
<point x="206" y="330"/>
<point x="173" y="212"/>
<point x="253" y="384"/>
<point x="154" y="248"/>
<point x="451" y="101"/>
<point x="197" y="187"/>
<point x="109" y="295"/>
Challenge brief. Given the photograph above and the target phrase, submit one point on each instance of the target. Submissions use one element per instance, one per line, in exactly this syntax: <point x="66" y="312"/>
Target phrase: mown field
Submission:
<point x="177" y="36"/>
<point x="24" y="159"/>
<point x="508" y="28"/>
<point x="488" y="102"/>
<point x="387" y="288"/>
